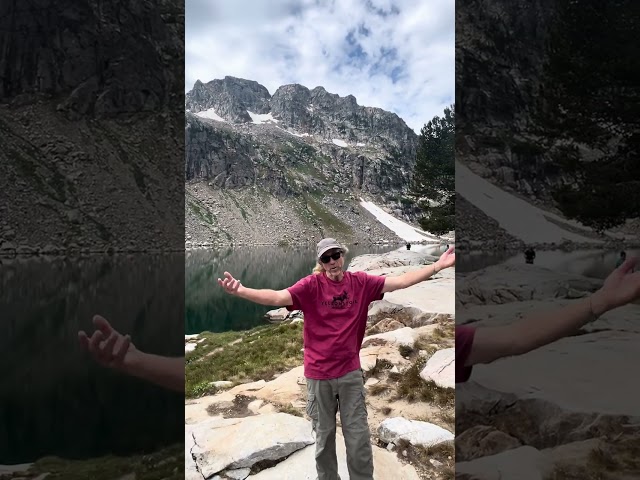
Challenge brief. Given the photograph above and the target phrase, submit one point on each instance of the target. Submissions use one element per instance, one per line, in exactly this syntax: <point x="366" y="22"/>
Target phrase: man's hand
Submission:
<point x="447" y="259"/>
<point x="108" y="346"/>
<point x="230" y="284"/>
<point x="622" y="286"/>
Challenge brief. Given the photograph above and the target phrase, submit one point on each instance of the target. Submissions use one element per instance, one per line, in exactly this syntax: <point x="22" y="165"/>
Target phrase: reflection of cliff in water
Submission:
<point x="54" y="399"/>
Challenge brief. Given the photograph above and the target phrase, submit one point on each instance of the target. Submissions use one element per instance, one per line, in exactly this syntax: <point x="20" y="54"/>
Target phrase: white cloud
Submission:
<point x="393" y="54"/>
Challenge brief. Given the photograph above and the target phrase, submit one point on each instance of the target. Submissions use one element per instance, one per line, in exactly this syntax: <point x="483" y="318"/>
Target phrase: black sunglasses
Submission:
<point x="327" y="258"/>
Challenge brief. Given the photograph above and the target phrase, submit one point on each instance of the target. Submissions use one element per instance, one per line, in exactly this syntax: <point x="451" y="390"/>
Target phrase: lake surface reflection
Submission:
<point x="209" y="308"/>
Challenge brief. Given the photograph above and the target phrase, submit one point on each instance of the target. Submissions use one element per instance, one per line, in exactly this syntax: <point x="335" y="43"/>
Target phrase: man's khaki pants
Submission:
<point x="324" y="399"/>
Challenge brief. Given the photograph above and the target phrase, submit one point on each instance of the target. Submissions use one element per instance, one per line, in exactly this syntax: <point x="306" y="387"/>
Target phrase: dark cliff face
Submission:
<point x="105" y="58"/>
<point x="538" y="86"/>
<point x="307" y="130"/>
<point x="222" y="156"/>
<point x="91" y="117"/>
<point x="501" y="53"/>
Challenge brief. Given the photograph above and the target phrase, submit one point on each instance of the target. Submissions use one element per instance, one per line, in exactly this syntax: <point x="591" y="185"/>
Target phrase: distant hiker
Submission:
<point x="408" y="246"/>
<point x="621" y="258"/>
<point x="529" y="255"/>
<point x="113" y="350"/>
<point x="488" y="344"/>
<point x="335" y="304"/>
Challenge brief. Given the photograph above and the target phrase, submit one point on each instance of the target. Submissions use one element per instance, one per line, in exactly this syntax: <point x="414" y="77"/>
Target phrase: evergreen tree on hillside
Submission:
<point x="433" y="182"/>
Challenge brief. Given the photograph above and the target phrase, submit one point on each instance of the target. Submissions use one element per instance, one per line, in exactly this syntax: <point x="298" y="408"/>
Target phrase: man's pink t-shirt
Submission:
<point x="335" y="319"/>
<point x="464" y="342"/>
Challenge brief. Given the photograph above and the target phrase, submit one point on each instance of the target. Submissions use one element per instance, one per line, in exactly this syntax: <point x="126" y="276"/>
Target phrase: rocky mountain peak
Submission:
<point x="312" y="152"/>
<point x="293" y="90"/>
<point x="231" y="98"/>
<point x="316" y="112"/>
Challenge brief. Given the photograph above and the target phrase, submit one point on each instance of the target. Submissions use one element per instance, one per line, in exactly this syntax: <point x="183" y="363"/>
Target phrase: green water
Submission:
<point x="209" y="308"/>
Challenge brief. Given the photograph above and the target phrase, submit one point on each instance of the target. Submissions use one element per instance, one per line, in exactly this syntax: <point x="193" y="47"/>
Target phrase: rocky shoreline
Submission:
<point x="562" y="411"/>
<point x="408" y="360"/>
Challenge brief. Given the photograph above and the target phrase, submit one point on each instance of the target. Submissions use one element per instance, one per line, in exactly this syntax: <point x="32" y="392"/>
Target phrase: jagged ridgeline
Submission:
<point x="292" y="166"/>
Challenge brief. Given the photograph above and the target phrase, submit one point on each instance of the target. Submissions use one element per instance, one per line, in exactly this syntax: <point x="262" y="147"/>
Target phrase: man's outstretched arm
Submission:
<point x="167" y="372"/>
<point x="446" y="260"/>
<point x="113" y="350"/>
<point x="491" y="343"/>
<point x="273" y="298"/>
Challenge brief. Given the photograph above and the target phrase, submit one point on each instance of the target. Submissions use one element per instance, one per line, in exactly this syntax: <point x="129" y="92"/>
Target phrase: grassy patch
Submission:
<point x="167" y="463"/>
<point x="263" y="352"/>
<point x="204" y="388"/>
<point x="381" y="365"/>
<point x="328" y="219"/>
<point x="449" y="418"/>
<point x="243" y="212"/>
<point x="419" y="457"/>
<point x="424" y="343"/>
<point x="373" y="331"/>
<point x="290" y="409"/>
<point x="310" y="170"/>
<point x="412" y="387"/>
<point x="619" y="455"/>
<point x="378" y="388"/>
<point x="288" y="150"/>
<point x="205" y="215"/>
<point x="303" y="212"/>
<point x="443" y="333"/>
<point x="440" y="338"/>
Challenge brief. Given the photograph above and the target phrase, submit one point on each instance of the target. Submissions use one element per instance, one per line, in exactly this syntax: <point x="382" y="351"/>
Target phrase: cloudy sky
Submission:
<point x="393" y="54"/>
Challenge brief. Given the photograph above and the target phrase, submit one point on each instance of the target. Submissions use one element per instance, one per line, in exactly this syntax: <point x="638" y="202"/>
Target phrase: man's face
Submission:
<point x="332" y="261"/>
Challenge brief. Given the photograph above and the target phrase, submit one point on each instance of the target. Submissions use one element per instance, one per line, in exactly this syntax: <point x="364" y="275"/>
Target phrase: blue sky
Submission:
<point x="393" y="54"/>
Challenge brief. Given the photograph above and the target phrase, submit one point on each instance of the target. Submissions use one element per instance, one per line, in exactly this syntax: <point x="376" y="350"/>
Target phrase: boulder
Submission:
<point x="414" y="431"/>
<point x="234" y="443"/>
<point x="441" y="368"/>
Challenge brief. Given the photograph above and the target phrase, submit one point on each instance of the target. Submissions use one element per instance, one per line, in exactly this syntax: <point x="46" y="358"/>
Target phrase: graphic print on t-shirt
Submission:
<point x="340" y="301"/>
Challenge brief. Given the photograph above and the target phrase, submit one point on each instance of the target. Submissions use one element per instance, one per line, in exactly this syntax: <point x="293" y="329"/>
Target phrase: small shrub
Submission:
<point x="378" y="388"/>
<point x="406" y="350"/>
<point x="290" y="409"/>
<point x="419" y="457"/>
<point x="413" y="387"/>
<point x="204" y="388"/>
<point x="381" y="365"/>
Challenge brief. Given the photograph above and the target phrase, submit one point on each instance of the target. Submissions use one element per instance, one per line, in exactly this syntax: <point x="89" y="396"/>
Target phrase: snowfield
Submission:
<point x="261" y="118"/>
<point x="402" y="229"/>
<point x="510" y="211"/>
<point x="211" y="114"/>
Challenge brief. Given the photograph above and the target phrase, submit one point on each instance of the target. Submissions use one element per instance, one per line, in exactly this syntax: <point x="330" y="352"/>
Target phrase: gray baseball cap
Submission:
<point x="327" y="244"/>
